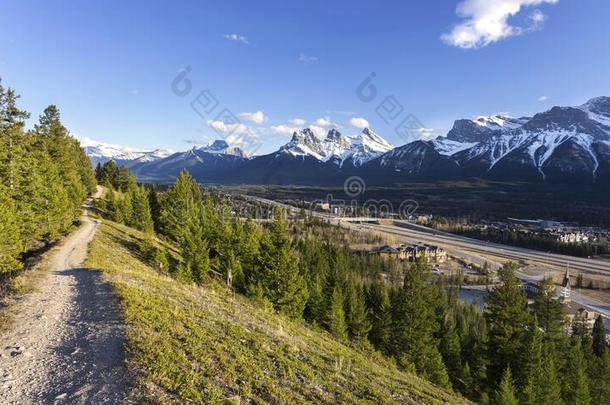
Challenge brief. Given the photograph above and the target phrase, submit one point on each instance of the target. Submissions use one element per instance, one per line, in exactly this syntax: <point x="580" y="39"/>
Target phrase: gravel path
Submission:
<point x="66" y="343"/>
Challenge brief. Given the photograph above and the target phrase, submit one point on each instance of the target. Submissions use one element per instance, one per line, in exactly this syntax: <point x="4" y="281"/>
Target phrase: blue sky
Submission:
<point x="280" y="65"/>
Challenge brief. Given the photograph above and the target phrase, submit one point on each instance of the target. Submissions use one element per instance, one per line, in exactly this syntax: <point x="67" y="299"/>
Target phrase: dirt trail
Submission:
<point x="66" y="343"/>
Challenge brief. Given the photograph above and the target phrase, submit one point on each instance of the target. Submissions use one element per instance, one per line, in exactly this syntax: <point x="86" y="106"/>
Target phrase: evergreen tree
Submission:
<point x="450" y="349"/>
<point x="357" y="314"/>
<point x="277" y="271"/>
<point x="575" y="387"/>
<point x="414" y="325"/>
<point x="508" y="320"/>
<point x="380" y="313"/>
<point x="10" y="244"/>
<point x="599" y="337"/>
<point x="549" y="311"/>
<point x="42" y="183"/>
<point x="141" y="215"/>
<point x="506" y="390"/>
<point x="336" y="316"/>
<point x="110" y="174"/>
<point x="181" y="204"/>
<point x="99" y="172"/>
<point x="599" y="378"/>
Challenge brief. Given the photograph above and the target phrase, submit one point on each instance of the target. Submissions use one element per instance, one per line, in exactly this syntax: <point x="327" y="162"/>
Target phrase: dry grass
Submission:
<point x="204" y="344"/>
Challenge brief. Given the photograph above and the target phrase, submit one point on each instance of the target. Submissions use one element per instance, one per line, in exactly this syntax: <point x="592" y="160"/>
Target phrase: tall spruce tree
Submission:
<point x="599" y="337"/>
<point x="336" y="316"/>
<point x="277" y="271"/>
<point x="549" y="311"/>
<point x="414" y="325"/>
<point x="505" y="394"/>
<point x="575" y="387"/>
<point x="357" y="315"/>
<point x="380" y="313"/>
<point x="508" y="321"/>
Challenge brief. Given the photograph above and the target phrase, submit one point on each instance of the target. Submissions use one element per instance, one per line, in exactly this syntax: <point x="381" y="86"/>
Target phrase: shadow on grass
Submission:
<point x="133" y="245"/>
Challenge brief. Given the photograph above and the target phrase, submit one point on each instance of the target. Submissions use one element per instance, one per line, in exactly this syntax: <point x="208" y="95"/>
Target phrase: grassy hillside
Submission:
<point x="207" y="345"/>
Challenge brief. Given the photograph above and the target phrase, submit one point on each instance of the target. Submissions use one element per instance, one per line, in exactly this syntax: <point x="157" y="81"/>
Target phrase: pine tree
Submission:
<point x="277" y="271"/>
<point x="506" y="390"/>
<point x="599" y="378"/>
<point x="180" y="204"/>
<point x="380" y="313"/>
<point x="141" y="215"/>
<point x="508" y="320"/>
<point x="99" y="172"/>
<point x="357" y="314"/>
<point x="414" y="325"/>
<point x="450" y="348"/>
<point x="575" y="387"/>
<point x="336" y="316"/>
<point x="110" y="174"/>
<point x="549" y="310"/>
<point x="599" y="337"/>
<point x="10" y="244"/>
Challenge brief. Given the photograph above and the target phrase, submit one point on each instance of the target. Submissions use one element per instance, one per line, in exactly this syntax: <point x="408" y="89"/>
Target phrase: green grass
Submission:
<point x="204" y="344"/>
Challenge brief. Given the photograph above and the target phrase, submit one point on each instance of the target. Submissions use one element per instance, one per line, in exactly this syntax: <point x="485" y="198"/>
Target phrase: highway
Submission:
<point x="555" y="261"/>
<point x="464" y="244"/>
<point x="476" y="251"/>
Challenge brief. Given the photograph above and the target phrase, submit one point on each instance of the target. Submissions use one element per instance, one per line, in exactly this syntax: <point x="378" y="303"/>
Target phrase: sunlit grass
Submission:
<point x="204" y="344"/>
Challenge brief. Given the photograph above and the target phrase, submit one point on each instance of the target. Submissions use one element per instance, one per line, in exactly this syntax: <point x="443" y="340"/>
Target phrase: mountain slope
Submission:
<point x="563" y="144"/>
<point x="206" y="164"/>
<point x="100" y="152"/>
<point x="203" y="344"/>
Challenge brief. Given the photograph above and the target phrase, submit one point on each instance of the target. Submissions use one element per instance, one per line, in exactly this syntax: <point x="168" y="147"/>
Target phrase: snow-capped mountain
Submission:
<point x="100" y="152"/>
<point x="336" y="147"/>
<point x="221" y="147"/>
<point x="559" y="144"/>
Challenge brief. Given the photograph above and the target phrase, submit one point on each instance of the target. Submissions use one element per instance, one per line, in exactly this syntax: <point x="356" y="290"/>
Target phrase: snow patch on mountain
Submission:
<point x="221" y="147"/>
<point x="103" y="152"/>
<point x="500" y="122"/>
<point x="337" y="147"/>
<point x="447" y="147"/>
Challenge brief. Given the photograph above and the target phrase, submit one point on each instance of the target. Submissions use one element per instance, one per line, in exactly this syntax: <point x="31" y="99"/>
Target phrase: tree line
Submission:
<point x="44" y="178"/>
<point x="508" y="353"/>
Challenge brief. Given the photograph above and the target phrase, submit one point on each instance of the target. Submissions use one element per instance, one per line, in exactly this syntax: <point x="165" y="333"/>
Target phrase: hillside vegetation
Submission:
<point x="44" y="178"/>
<point x="206" y="344"/>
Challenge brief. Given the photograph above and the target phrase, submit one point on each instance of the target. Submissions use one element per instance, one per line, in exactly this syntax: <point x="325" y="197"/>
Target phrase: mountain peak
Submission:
<point x="218" y="145"/>
<point x="334" y="135"/>
<point x="598" y="105"/>
<point x="221" y="147"/>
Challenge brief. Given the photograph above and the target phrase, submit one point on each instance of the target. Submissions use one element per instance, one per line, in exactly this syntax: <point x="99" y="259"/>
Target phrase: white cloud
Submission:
<point x="257" y="117"/>
<point x="325" y="122"/>
<point x="359" y="122"/>
<point x="283" y="130"/>
<point x="543" y="98"/>
<point x="236" y="38"/>
<point x="308" y="58"/>
<point x="299" y="122"/>
<point x="318" y="131"/>
<point x="486" y="21"/>
<point x="224" y="128"/>
<point x="427" y="133"/>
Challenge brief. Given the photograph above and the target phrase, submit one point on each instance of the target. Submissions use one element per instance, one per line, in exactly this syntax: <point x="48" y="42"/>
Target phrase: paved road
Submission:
<point x="505" y="252"/>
